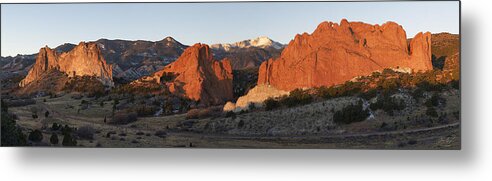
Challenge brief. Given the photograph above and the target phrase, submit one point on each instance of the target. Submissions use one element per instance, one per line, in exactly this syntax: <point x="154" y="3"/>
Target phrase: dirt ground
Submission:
<point x="142" y="133"/>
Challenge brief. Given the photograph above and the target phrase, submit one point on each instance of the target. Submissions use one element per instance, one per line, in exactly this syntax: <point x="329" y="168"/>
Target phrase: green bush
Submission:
<point x="144" y="110"/>
<point x="428" y="86"/>
<point x="214" y="111"/>
<point x="455" y="84"/>
<point x="434" y="101"/>
<point x="251" y="107"/>
<point x="85" y="132"/>
<point x="68" y="140"/>
<point x="230" y="114"/>
<point x="240" y="124"/>
<point x="141" y="88"/>
<point x="271" y="104"/>
<point x="86" y="84"/>
<point x="161" y="134"/>
<point x="54" y="139"/>
<point x="388" y="104"/>
<point x="66" y="130"/>
<point x="351" y="114"/>
<point x="347" y="89"/>
<point x="167" y="108"/>
<point x="296" y="97"/>
<point x="431" y="111"/>
<point x="388" y="71"/>
<point x="417" y="93"/>
<point x="124" y="117"/>
<point x="168" y="77"/>
<point x="36" y="136"/>
<point x="55" y="127"/>
<point x="11" y="134"/>
<point x="326" y="92"/>
<point x="369" y="94"/>
<point x="389" y="85"/>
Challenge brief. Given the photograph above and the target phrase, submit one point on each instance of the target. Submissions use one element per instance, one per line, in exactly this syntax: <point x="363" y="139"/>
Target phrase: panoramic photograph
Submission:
<point x="293" y="75"/>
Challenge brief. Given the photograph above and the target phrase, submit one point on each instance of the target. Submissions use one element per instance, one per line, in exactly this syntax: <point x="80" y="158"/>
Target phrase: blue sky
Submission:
<point x="27" y="27"/>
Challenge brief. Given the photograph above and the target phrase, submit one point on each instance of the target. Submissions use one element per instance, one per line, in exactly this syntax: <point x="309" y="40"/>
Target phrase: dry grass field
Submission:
<point x="308" y="126"/>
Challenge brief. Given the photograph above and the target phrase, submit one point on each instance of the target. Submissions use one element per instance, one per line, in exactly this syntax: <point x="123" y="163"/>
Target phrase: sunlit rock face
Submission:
<point x="198" y="76"/>
<point x="255" y="97"/>
<point x="335" y="53"/>
<point x="83" y="59"/>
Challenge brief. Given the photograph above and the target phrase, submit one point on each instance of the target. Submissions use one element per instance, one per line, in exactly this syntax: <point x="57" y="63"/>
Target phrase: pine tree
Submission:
<point x="54" y="139"/>
<point x="68" y="140"/>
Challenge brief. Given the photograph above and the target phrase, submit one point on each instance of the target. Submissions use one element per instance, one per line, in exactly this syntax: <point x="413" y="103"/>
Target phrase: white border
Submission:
<point x="473" y="162"/>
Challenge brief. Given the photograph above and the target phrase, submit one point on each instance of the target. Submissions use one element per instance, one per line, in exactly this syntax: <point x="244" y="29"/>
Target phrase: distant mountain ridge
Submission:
<point x="248" y="53"/>
<point x="259" y="42"/>
<point x="134" y="59"/>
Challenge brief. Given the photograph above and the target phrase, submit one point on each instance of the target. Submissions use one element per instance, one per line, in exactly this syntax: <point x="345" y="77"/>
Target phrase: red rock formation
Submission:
<point x="84" y="59"/>
<point x="335" y="53"/>
<point x="198" y="76"/>
<point x="453" y="62"/>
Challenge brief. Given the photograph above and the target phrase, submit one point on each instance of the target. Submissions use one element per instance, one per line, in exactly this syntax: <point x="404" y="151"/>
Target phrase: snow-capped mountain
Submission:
<point x="248" y="53"/>
<point x="260" y="42"/>
<point x="133" y="59"/>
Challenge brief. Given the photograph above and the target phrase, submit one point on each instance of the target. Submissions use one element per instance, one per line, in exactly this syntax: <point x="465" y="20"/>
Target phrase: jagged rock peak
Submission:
<point x="198" y="76"/>
<point x="83" y="59"/>
<point x="169" y="38"/>
<point x="335" y="53"/>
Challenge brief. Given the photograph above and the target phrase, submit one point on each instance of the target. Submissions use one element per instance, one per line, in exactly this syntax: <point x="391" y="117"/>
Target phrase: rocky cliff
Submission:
<point x="446" y="51"/>
<point x="83" y="59"/>
<point x="198" y="76"/>
<point x="255" y="96"/>
<point x="335" y="53"/>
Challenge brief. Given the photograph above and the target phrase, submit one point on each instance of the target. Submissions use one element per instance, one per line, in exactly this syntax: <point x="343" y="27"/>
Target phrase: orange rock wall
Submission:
<point x="199" y="76"/>
<point x="84" y="59"/>
<point x="335" y="53"/>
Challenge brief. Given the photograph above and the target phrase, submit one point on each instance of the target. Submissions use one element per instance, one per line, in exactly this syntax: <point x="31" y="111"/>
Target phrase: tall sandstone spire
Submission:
<point x="84" y="59"/>
<point x="198" y="76"/>
<point x="335" y="53"/>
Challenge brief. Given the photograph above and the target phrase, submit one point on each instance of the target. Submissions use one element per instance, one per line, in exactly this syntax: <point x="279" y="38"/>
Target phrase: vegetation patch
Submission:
<point x="124" y="117"/>
<point x="85" y="84"/>
<point x="388" y="104"/>
<point x="350" y="114"/>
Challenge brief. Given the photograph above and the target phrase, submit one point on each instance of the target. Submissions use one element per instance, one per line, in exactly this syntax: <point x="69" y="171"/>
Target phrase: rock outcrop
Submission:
<point x="83" y="59"/>
<point x="452" y="63"/>
<point x="446" y="51"/>
<point x="335" y="53"/>
<point x="255" y="97"/>
<point x="198" y="76"/>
